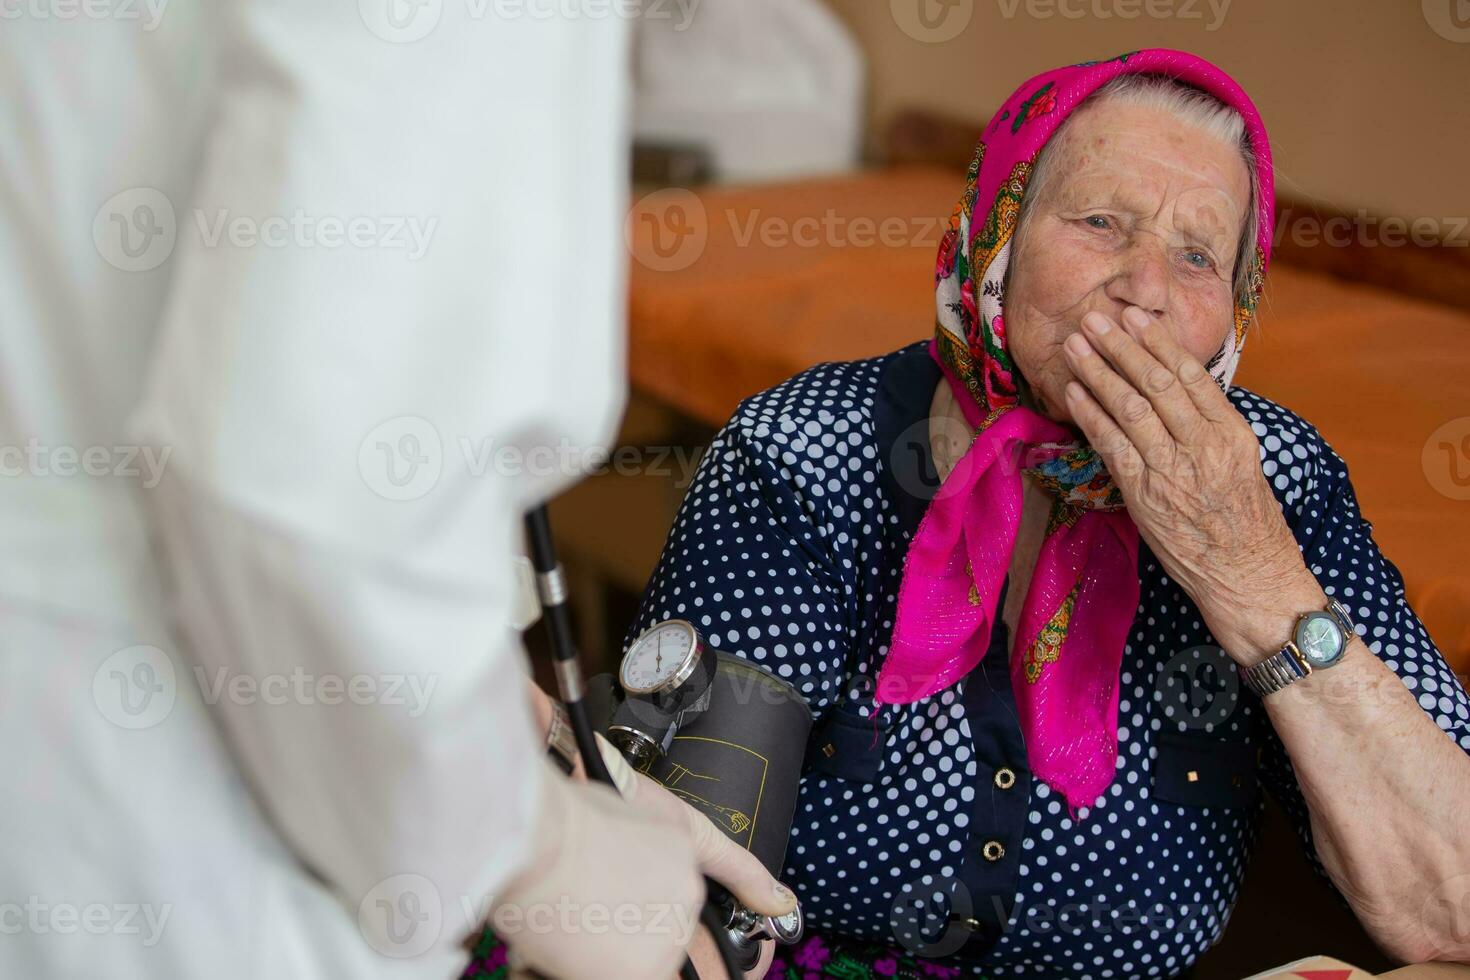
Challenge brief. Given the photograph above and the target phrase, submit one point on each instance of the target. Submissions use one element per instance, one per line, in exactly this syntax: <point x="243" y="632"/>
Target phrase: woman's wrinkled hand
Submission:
<point x="1188" y="466"/>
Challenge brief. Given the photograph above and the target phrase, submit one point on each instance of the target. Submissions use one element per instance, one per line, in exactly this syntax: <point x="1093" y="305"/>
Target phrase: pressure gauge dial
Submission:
<point x="662" y="659"/>
<point x="666" y="675"/>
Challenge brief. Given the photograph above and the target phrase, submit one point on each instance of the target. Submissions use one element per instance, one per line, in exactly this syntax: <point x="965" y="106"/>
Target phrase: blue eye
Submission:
<point x="1198" y="259"/>
<point x="1097" y="221"/>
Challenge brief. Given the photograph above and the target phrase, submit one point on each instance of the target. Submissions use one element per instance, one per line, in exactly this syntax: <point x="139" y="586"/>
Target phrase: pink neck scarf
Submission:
<point x="1084" y="591"/>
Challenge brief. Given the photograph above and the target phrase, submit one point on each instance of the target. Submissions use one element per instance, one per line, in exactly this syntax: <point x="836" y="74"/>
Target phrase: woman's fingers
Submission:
<point x="1194" y="381"/>
<point x="1131" y="412"/>
<point x="1117" y="451"/>
<point x="1155" y="380"/>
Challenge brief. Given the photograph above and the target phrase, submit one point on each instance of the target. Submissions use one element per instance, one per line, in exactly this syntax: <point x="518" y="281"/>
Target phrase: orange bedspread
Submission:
<point x="741" y="288"/>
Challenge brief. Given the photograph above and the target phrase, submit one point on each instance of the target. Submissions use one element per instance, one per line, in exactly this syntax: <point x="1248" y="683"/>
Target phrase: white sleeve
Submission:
<point x="395" y="322"/>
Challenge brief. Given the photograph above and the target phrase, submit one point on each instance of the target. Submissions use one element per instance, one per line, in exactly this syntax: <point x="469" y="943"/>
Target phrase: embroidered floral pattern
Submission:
<point x="1043" y="101"/>
<point x="818" y="956"/>
<point x="487" y="959"/>
<point x="1078" y="476"/>
<point x="1047" y="647"/>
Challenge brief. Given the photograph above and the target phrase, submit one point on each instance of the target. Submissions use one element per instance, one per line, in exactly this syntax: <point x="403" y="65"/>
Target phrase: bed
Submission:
<point x="736" y="289"/>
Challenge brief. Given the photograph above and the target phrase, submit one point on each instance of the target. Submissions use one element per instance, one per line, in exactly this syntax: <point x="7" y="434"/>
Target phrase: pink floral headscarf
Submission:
<point x="1084" y="592"/>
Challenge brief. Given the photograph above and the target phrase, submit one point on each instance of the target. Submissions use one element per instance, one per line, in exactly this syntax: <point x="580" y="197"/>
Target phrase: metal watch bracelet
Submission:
<point x="1276" y="671"/>
<point x="561" y="741"/>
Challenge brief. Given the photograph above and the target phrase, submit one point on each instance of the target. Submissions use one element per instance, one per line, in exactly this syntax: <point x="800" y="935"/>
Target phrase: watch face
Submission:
<point x="659" y="659"/>
<point x="1320" y="639"/>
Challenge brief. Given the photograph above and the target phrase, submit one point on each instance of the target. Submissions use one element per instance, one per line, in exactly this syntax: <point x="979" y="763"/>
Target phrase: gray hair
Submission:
<point x="1192" y="107"/>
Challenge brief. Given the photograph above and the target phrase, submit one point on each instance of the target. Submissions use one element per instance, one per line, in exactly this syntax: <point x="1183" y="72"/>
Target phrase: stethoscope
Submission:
<point x="551" y="590"/>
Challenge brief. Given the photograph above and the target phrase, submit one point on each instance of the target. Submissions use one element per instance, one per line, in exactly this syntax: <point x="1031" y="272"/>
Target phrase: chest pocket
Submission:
<point x="1194" y="769"/>
<point x="847" y="745"/>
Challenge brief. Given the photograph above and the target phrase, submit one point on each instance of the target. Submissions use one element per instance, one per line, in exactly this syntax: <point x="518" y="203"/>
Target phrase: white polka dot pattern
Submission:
<point x="788" y="550"/>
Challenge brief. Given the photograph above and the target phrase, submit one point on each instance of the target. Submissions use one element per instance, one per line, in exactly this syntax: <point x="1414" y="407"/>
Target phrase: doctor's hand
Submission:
<point x="719" y="857"/>
<point x="724" y="861"/>
<point x="709" y="966"/>
<point x="610" y="889"/>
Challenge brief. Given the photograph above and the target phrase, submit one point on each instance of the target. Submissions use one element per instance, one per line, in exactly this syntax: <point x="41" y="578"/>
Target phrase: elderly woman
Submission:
<point x="1004" y="778"/>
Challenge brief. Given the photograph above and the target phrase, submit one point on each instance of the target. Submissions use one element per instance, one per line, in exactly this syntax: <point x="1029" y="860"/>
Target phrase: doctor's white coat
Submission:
<point x="301" y="303"/>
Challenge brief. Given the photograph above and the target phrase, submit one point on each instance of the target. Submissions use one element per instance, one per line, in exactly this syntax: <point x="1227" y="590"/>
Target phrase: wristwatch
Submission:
<point x="561" y="741"/>
<point x="1319" y="641"/>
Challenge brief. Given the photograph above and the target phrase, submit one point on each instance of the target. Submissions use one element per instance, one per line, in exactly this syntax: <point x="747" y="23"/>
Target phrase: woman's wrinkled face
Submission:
<point x="1140" y="210"/>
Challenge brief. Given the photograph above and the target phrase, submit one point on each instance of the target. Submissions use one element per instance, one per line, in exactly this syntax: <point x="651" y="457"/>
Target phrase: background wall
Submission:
<point x="1367" y="101"/>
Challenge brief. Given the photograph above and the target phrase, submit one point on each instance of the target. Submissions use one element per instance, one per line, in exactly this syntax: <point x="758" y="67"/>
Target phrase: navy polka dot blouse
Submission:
<point x="921" y="825"/>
